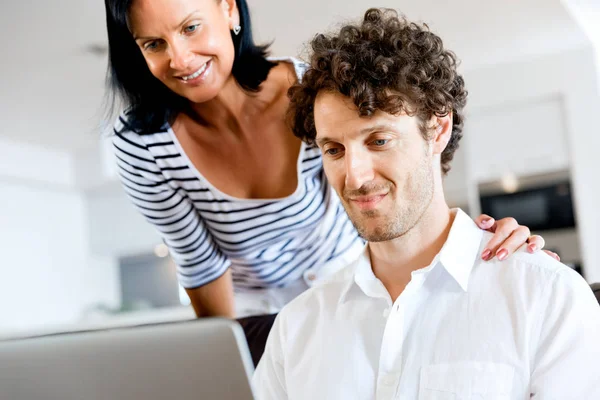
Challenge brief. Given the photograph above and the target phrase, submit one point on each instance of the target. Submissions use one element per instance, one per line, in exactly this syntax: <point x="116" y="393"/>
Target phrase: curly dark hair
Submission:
<point x="384" y="63"/>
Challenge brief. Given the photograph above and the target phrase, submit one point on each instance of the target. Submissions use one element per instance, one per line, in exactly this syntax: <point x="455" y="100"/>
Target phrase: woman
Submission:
<point x="205" y="154"/>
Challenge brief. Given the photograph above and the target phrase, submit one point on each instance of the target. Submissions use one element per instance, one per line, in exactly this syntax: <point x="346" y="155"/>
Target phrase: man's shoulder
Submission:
<point x="322" y="298"/>
<point x="538" y="262"/>
<point x="534" y="269"/>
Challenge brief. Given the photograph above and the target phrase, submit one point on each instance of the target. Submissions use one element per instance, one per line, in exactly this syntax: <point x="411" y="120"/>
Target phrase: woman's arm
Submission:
<point x="200" y="262"/>
<point x="215" y="299"/>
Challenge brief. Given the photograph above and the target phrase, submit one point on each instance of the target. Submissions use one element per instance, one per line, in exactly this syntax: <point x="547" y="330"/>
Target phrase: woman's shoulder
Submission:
<point x="126" y="128"/>
<point x="139" y="148"/>
<point x="300" y="66"/>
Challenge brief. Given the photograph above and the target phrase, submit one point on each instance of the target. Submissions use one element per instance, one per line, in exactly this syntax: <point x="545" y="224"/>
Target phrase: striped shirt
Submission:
<point x="267" y="243"/>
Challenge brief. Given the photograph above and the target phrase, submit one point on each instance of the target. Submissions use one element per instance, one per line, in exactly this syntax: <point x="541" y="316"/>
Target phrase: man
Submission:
<point x="419" y="315"/>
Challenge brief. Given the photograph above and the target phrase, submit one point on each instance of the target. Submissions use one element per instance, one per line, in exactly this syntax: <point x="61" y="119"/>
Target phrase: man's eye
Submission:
<point x="380" y="142"/>
<point x="332" y="152"/>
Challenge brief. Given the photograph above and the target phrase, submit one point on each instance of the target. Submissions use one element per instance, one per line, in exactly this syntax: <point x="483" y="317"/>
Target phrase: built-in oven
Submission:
<point x="541" y="208"/>
<point x="544" y="203"/>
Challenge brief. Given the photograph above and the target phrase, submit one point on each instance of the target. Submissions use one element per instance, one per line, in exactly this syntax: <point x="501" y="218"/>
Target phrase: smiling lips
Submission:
<point x="198" y="73"/>
<point x="367" y="202"/>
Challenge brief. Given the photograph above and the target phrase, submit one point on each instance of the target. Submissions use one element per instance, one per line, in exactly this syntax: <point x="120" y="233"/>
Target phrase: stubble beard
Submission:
<point x="418" y="192"/>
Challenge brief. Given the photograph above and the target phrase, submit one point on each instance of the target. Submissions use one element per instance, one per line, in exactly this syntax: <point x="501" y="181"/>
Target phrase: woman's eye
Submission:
<point x="191" y="28"/>
<point x="151" y="45"/>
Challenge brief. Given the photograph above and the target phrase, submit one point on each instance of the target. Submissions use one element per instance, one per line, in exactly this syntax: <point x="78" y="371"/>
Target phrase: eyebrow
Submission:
<point x="365" y="131"/>
<point x="181" y="23"/>
<point x="376" y="128"/>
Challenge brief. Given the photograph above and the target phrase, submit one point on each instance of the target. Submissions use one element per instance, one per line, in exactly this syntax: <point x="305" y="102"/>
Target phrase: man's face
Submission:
<point x="380" y="166"/>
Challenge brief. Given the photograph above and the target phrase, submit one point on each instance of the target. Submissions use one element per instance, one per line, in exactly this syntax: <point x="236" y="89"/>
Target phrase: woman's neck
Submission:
<point x="233" y="108"/>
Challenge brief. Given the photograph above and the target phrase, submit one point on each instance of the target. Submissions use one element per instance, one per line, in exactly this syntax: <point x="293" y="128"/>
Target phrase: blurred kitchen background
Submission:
<point x="74" y="251"/>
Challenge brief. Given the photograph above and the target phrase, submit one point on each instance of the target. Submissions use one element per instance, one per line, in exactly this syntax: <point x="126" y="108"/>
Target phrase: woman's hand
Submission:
<point x="508" y="237"/>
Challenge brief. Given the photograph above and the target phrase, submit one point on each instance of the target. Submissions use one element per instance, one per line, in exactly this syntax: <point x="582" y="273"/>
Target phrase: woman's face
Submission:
<point x="186" y="43"/>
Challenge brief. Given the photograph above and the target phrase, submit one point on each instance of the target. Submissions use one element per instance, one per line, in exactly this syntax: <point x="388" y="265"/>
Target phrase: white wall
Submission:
<point x="520" y="138"/>
<point x="43" y="253"/>
<point x="571" y="77"/>
<point x="116" y="228"/>
<point x="20" y="162"/>
<point x="64" y="221"/>
<point x="48" y="276"/>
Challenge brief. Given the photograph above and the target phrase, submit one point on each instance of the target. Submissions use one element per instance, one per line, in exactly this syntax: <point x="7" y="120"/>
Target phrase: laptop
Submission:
<point x="199" y="359"/>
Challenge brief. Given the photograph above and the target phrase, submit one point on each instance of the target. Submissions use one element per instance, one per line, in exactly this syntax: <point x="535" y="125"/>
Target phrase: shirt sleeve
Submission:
<point x="565" y="364"/>
<point x="269" y="377"/>
<point x="192" y="247"/>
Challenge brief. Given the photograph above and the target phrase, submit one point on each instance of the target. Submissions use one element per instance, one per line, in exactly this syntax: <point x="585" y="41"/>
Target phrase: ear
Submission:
<point x="442" y="132"/>
<point x="231" y="12"/>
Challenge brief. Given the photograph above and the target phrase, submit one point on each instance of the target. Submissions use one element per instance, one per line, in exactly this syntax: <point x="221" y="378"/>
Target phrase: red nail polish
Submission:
<point x="532" y="248"/>
<point x="486" y="254"/>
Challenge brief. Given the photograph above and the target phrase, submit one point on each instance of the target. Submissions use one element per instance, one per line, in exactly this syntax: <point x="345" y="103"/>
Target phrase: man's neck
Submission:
<point x="393" y="261"/>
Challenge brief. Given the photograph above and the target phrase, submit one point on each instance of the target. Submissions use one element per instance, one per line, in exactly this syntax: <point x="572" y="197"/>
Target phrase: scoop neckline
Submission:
<point x="229" y="197"/>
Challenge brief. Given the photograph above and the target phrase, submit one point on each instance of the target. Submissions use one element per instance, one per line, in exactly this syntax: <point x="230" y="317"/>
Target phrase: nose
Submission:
<point x="359" y="169"/>
<point x="180" y="55"/>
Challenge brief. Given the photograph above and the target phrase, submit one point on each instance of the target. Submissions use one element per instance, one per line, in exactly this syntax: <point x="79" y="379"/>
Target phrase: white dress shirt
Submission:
<point x="526" y="327"/>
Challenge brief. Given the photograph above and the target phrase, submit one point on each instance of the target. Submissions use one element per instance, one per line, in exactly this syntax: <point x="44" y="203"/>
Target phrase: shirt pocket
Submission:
<point x="466" y="381"/>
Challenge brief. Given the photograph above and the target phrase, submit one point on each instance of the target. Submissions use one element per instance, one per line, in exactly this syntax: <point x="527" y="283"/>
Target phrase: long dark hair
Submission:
<point x="149" y="103"/>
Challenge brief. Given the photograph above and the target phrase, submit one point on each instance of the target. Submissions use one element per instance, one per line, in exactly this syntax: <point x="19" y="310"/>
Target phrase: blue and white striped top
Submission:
<point x="266" y="243"/>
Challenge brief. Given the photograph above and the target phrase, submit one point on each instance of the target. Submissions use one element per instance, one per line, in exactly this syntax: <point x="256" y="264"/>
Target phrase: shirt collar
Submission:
<point x="363" y="279"/>
<point x="460" y="252"/>
<point x="458" y="256"/>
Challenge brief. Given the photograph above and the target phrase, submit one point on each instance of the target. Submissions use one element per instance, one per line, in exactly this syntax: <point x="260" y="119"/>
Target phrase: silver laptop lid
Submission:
<point x="200" y="359"/>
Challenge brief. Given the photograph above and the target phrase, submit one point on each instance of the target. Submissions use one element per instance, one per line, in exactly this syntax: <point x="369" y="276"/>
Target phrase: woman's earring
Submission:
<point x="237" y="29"/>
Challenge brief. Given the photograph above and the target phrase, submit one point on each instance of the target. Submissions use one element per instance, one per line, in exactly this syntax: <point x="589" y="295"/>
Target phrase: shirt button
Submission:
<point x="386" y="313"/>
<point x="388" y="380"/>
